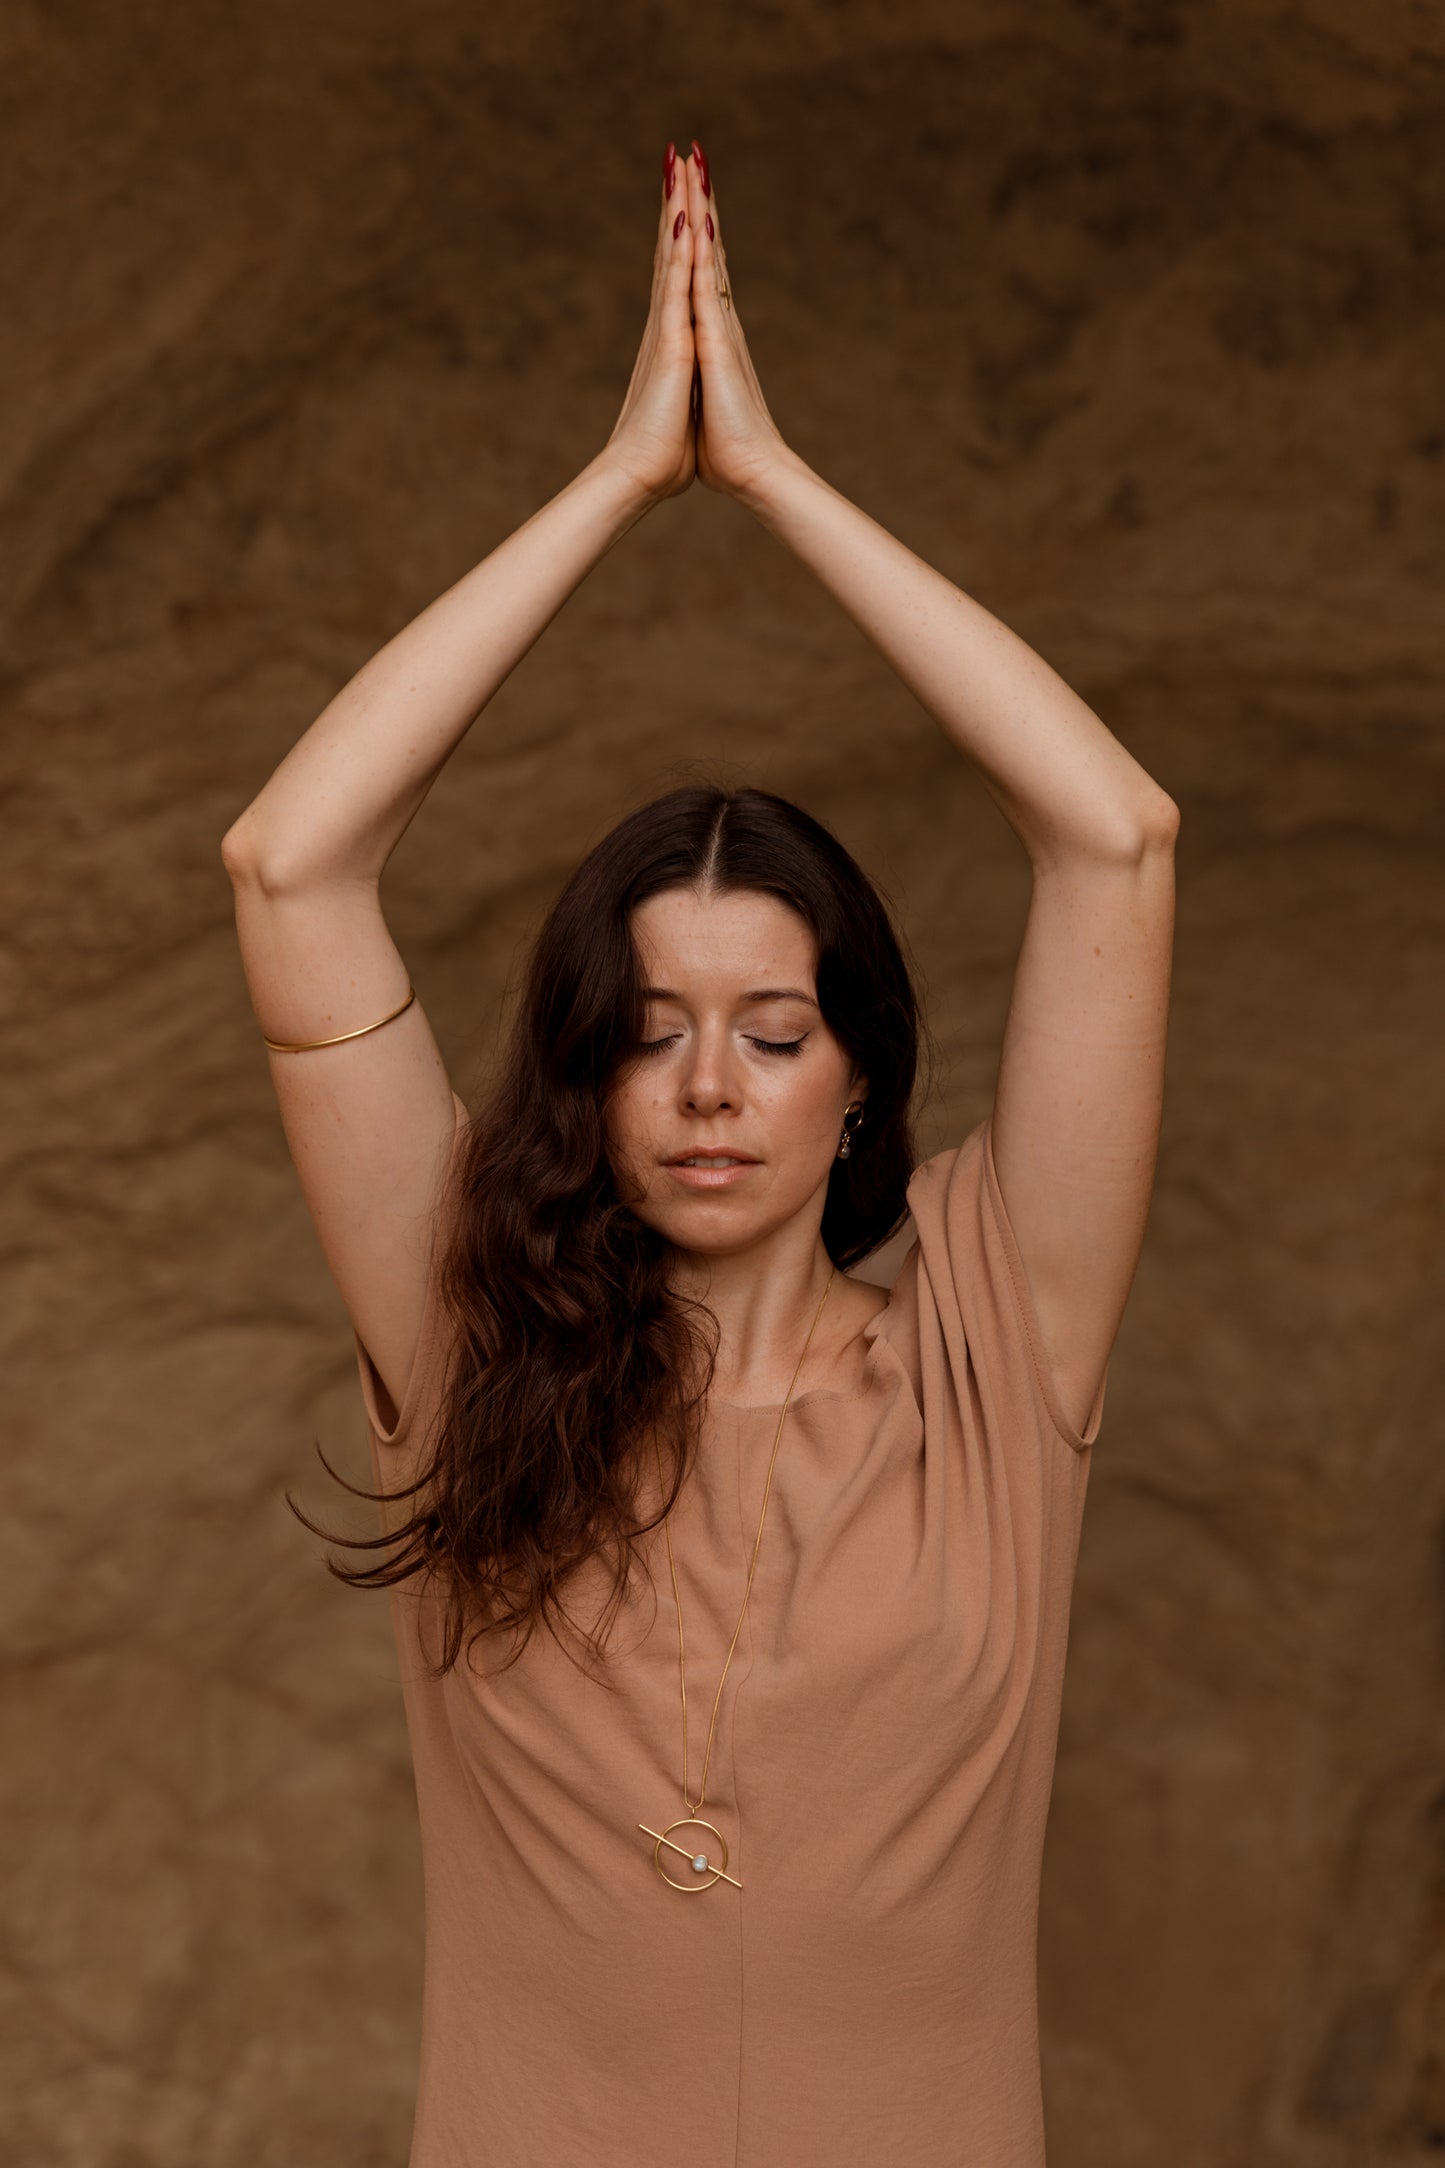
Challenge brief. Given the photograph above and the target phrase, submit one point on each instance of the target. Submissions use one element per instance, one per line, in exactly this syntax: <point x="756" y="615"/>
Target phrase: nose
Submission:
<point x="708" y="1084"/>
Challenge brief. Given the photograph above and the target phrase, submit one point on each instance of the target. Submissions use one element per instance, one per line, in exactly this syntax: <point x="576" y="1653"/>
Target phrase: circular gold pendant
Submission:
<point x="704" y="1867"/>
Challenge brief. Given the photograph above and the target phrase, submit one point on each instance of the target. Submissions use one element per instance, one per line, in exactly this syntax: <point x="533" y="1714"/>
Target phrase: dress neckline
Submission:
<point x="799" y="1400"/>
<point x="870" y="1331"/>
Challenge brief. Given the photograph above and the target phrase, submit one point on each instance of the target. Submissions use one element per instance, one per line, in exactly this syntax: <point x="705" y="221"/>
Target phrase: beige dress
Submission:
<point x="881" y="1772"/>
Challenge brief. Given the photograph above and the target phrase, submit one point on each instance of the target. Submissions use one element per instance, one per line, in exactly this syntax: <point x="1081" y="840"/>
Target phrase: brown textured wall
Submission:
<point x="1129" y="318"/>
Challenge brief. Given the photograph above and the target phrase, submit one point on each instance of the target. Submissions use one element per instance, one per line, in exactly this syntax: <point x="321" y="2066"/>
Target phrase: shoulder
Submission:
<point x="858" y="1304"/>
<point x="855" y="1304"/>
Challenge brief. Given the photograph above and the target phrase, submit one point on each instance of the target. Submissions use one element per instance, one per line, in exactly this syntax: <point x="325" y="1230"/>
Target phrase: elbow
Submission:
<point x="249" y="862"/>
<point x="1159" y="824"/>
<point x="1149" y="826"/>
<point x="235" y="850"/>
<point x="265" y="867"/>
<point x="241" y="852"/>
<point x="1134" y="832"/>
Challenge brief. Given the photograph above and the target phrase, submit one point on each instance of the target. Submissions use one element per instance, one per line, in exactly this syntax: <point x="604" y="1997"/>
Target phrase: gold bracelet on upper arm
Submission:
<point x="303" y="1046"/>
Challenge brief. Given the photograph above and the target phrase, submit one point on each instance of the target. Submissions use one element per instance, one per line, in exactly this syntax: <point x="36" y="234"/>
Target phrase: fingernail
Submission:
<point x="702" y="164"/>
<point x="669" y="167"/>
<point x="678" y="223"/>
<point x="707" y="221"/>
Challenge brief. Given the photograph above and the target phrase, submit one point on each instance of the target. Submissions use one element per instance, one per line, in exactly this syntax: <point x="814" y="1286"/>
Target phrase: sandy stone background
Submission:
<point x="1127" y="315"/>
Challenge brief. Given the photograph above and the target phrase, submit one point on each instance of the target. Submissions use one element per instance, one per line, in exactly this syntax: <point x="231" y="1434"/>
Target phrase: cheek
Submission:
<point x="628" y="1125"/>
<point x="801" y="1106"/>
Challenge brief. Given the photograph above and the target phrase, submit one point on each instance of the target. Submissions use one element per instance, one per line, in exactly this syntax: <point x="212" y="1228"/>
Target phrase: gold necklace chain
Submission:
<point x="700" y="1862"/>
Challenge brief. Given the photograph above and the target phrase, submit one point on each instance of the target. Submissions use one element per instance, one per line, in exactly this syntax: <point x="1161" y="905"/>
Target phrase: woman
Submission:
<point x="801" y="1546"/>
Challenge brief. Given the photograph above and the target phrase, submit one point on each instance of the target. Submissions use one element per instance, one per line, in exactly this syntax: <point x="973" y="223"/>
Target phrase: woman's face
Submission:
<point x="729" y="979"/>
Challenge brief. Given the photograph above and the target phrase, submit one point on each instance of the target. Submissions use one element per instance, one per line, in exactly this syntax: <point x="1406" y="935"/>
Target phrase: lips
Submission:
<point x="711" y="1169"/>
<point x="710" y="1154"/>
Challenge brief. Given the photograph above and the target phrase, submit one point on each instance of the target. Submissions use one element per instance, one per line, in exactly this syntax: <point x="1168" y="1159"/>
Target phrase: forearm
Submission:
<point x="343" y="797"/>
<point x="1058" y="775"/>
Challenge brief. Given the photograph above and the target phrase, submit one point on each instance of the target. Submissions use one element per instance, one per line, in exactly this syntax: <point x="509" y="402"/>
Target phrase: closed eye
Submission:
<point x="768" y="1046"/>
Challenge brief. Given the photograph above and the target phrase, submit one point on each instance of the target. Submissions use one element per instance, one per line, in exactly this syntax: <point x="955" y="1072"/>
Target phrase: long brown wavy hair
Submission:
<point x="569" y="1349"/>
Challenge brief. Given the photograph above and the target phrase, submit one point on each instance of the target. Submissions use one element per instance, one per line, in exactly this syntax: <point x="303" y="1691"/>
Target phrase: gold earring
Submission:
<point x="845" y="1148"/>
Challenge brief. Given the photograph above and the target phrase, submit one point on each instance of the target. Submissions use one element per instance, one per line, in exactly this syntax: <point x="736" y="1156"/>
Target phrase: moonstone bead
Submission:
<point x="699" y="1862"/>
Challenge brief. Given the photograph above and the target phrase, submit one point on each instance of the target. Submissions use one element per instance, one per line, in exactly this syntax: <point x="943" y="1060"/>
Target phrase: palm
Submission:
<point x="706" y="465"/>
<point x="686" y="467"/>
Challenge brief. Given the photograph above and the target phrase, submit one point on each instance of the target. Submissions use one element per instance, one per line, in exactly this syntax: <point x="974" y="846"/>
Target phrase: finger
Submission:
<point x="711" y="284"/>
<point x="676" y="255"/>
<point x="672" y="195"/>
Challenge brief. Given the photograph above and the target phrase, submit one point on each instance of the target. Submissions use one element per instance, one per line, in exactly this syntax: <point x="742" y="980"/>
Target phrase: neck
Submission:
<point x="764" y="1316"/>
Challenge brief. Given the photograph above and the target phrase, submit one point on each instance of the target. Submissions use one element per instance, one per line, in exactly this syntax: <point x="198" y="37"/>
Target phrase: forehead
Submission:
<point x="731" y="942"/>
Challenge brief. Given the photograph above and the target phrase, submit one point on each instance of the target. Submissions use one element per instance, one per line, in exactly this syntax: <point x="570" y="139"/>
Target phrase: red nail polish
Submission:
<point x="702" y="164"/>
<point x="707" y="221"/>
<point x="678" y="223"/>
<point x="670" y="183"/>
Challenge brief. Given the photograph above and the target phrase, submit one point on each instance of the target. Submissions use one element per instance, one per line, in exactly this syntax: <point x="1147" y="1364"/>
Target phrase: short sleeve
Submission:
<point x="431" y="1342"/>
<point x="973" y="1291"/>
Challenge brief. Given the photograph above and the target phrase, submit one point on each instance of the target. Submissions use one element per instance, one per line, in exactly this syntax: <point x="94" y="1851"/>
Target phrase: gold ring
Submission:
<point x="724" y="297"/>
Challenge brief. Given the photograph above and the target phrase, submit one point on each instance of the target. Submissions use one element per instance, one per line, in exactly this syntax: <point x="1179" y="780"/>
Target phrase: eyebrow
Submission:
<point x="759" y="993"/>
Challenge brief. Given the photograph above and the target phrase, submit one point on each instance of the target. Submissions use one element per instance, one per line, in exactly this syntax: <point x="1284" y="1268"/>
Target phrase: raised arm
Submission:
<point x="1079" y="1095"/>
<point x="370" y="1120"/>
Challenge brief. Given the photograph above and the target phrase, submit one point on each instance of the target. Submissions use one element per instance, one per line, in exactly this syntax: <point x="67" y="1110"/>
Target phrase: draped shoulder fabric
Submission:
<point x="881" y="1772"/>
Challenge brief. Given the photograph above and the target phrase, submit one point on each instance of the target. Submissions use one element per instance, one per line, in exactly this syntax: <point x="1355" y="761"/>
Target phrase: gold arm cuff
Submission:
<point x="304" y="1046"/>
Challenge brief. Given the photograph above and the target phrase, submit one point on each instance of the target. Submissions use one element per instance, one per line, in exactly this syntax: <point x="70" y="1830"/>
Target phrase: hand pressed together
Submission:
<point x="694" y="405"/>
